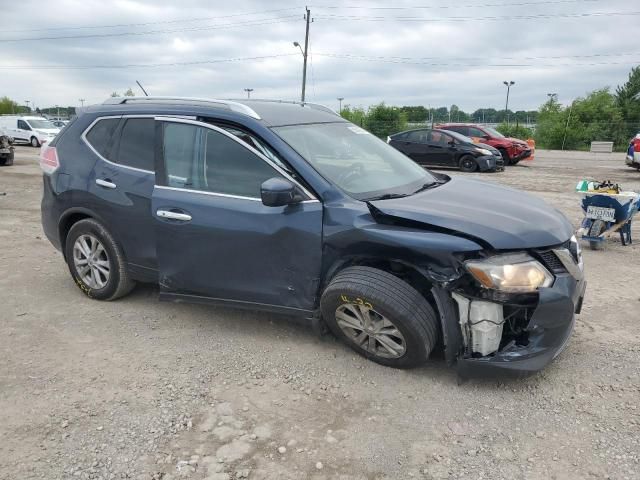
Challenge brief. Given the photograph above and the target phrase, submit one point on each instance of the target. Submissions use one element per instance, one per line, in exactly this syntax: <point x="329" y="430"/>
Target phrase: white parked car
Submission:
<point x="33" y="130"/>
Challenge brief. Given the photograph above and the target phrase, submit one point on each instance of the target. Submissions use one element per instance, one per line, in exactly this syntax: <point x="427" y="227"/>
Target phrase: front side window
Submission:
<point x="22" y="125"/>
<point x="199" y="158"/>
<point x="100" y="137"/>
<point x="476" y="132"/>
<point x="362" y="165"/>
<point x="136" y="147"/>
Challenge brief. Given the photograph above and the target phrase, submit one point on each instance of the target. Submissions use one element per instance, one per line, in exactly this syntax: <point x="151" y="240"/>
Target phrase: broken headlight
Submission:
<point x="510" y="273"/>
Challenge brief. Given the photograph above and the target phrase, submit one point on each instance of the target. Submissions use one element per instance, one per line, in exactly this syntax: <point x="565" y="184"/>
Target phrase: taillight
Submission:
<point x="49" y="159"/>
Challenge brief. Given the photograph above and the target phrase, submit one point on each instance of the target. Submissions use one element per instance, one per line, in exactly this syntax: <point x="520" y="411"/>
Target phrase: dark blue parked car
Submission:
<point x="289" y="208"/>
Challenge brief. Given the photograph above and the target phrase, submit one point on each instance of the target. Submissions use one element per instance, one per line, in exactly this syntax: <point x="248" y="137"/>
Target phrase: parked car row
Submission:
<point x="467" y="147"/>
<point x="442" y="148"/>
<point x="35" y="131"/>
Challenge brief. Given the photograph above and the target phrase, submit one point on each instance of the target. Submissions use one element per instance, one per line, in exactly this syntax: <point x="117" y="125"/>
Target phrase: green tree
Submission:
<point x="628" y="100"/>
<point x="354" y="114"/>
<point x="8" y="106"/>
<point x="129" y="93"/>
<point x="415" y="114"/>
<point x="115" y="94"/>
<point x="383" y="120"/>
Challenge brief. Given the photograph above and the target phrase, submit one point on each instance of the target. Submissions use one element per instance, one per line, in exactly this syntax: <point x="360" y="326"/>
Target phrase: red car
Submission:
<point x="512" y="149"/>
<point x="633" y="153"/>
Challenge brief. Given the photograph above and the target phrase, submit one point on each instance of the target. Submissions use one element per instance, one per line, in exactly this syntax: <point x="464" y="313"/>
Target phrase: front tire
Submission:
<point x="96" y="261"/>
<point x="380" y="316"/>
<point x="34" y="142"/>
<point x="505" y="157"/>
<point x="468" y="164"/>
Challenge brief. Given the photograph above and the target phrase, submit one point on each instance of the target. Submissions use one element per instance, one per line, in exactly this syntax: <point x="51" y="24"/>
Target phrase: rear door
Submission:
<point x="414" y="145"/>
<point x="216" y="241"/>
<point x="123" y="183"/>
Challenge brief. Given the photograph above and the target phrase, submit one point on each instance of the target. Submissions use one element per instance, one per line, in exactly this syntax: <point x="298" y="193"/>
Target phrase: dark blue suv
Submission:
<point x="287" y="207"/>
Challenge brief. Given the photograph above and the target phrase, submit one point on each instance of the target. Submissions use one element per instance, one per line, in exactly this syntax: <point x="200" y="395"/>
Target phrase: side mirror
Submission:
<point x="277" y="192"/>
<point x="451" y="143"/>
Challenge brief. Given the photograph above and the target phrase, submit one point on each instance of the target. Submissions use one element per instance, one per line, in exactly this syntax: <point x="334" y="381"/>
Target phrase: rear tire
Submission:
<point x="468" y="164"/>
<point x="402" y="328"/>
<point x="34" y="142"/>
<point x="505" y="157"/>
<point x="96" y="261"/>
<point x="596" y="229"/>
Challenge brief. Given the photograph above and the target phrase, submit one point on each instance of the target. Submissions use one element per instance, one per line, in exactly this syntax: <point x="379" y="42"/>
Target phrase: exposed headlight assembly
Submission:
<point x="510" y="273"/>
<point x="483" y="151"/>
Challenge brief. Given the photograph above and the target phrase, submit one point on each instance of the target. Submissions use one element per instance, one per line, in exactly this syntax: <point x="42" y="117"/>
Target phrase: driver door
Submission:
<point x="216" y="241"/>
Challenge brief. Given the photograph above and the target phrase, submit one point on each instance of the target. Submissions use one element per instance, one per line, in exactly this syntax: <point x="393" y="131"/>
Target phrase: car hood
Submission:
<point x="497" y="216"/>
<point x="518" y="141"/>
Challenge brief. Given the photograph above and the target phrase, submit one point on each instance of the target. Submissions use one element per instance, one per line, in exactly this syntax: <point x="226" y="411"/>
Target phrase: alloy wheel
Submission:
<point x="91" y="261"/>
<point x="371" y="330"/>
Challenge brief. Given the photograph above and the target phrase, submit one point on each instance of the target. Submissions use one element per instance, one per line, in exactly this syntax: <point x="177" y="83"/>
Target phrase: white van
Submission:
<point x="33" y="130"/>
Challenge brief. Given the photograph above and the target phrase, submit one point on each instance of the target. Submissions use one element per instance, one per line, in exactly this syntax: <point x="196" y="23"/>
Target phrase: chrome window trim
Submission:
<point x="242" y="143"/>
<point x="225" y="195"/>
<point x="106" y="117"/>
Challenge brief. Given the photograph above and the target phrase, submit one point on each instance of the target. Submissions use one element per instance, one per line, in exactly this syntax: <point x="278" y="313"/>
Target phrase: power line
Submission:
<point x="249" y="23"/>
<point x="542" y="57"/>
<point x="163" y="22"/>
<point x="140" y="65"/>
<point x="447" y="64"/>
<point x="475" y="19"/>
<point x="456" y="6"/>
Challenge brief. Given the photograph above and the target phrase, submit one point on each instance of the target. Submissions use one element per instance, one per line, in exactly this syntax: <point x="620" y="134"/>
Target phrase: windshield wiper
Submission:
<point x="427" y="186"/>
<point x="387" y="196"/>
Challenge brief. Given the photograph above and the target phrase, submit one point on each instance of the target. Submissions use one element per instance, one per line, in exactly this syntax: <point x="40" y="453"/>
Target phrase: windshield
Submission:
<point x="362" y="165"/>
<point x="41" y="124"/>
<point x="458" y="136"/>
<point x="494" y="132"/>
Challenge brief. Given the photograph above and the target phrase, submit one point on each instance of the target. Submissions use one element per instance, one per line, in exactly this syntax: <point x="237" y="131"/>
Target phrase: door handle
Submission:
<point x="105" y="183"/>
<point x="183" y="217"/>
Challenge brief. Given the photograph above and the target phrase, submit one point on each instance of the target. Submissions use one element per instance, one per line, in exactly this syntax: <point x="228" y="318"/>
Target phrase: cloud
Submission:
<point x="413" y="56"/>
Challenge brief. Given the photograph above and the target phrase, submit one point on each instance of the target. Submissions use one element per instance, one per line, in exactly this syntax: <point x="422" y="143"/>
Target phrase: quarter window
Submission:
<point x="199" y="158"/>
<point x="101" y="134"/>
<point x="137" y="144"/>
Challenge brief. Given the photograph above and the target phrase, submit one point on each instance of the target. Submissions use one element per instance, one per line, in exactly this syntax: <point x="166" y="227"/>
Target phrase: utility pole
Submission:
<point x="506" y="106"/>
<point x="340" y="100"/>
<point x="81" y="100"/>
<point x="28" y="102"/>
<point x="248" y="90"/>
<point x="564" y="139"/>
<point x="306" y="51"/>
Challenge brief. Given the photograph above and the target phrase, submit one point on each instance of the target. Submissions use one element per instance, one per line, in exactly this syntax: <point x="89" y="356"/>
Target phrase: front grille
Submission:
<point x="551" y="261"/>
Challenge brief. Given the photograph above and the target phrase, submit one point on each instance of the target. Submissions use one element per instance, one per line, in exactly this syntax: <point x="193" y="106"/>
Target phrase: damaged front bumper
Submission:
<point x="546" y="333"/>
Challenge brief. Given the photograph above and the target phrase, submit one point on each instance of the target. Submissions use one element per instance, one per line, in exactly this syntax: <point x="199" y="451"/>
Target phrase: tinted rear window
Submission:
<point x="101" y="134"/>
<point x="137" y="144"/>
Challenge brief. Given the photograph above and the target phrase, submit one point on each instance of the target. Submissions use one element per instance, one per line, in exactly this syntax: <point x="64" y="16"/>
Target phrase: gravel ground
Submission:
<point x="147" y="390"/>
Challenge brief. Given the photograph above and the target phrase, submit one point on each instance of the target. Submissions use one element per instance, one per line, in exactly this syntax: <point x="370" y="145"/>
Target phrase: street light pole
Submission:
<point x="28" y="102"/>
<point x="81" y="100"/>
<point x="340" y="100"/>
<point x="248" y="90"/>
<point x="506" y="106"/>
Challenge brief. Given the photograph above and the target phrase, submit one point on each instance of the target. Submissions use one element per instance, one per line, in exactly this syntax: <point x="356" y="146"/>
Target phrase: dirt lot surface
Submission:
<point x="147" y="390"/>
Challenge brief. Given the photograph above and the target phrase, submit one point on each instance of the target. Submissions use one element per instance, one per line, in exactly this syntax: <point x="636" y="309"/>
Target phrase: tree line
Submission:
<point x="601" y="115"/>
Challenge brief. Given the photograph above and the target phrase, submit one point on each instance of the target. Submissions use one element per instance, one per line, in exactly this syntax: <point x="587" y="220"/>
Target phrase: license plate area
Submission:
<point x="601" y="213"/>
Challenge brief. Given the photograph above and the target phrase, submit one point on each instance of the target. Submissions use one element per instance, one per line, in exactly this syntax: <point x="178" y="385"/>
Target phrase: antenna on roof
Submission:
<point x="142" y="88"/>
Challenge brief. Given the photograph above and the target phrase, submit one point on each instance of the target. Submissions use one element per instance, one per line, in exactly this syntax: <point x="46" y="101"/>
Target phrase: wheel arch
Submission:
<point x="72" y="216"/>
<point x="410" y="273"/>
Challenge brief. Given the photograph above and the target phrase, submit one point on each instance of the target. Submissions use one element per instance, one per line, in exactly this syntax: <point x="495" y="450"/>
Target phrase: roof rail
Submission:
<point x="317" y="106"/>
<point x="231" y="105"/>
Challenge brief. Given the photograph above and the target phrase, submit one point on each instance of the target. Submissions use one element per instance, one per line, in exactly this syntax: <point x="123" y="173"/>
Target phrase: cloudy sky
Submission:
<point x="413" y="52"/>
